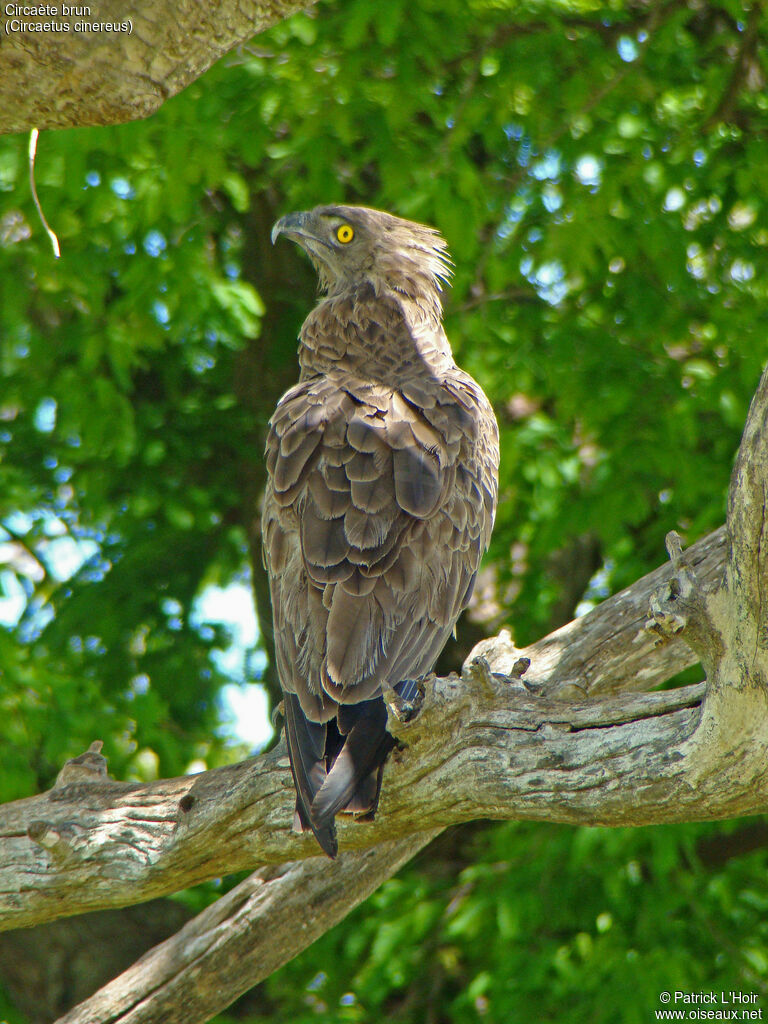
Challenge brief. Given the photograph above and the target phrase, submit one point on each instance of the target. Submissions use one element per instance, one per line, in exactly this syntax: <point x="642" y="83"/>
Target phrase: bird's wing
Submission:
<point x="379" y="507"/>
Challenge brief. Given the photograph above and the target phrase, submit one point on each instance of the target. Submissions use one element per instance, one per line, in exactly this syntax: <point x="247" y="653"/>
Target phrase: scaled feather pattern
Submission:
<point x="382" y="486"/>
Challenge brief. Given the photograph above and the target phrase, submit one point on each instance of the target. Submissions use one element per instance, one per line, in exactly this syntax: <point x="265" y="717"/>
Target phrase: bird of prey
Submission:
<point x="382" y="484"/>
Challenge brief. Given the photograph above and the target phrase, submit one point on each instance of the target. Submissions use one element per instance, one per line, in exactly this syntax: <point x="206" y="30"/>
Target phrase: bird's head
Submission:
<point x="351" y="245"/>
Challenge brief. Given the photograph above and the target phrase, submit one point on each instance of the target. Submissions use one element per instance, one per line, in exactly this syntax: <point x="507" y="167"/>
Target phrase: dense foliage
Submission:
<point x="599" y="173"/>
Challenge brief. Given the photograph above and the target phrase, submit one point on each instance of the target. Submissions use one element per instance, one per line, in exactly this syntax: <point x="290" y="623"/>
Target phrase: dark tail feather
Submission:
<point x="354" y="781"/>
<point x="306" y="749"/>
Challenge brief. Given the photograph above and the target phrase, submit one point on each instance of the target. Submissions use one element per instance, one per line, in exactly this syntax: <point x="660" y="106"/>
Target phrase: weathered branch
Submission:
<point x="91" y="75"/>
<point x="747" y="577"/>
<point x="608" y="650"/>
<point x="242" y="938"/>
<point x="726" y="625"/>
<point x="213" y="959"/>
<point x="480" y="748"/>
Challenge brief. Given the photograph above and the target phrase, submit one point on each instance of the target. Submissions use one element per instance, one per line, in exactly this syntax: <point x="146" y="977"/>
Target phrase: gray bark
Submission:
<point x="484" y="745"/>
<point x="242" y="938"/>
<point x="58" y="79"/>
<point x="477" y="749"/>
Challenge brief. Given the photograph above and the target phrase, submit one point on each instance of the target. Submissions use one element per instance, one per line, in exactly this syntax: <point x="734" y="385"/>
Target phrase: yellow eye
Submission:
<point x="345" y="233"/>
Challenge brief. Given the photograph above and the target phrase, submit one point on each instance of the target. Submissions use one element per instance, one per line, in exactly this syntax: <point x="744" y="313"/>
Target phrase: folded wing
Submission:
<point x="378" y="510"/>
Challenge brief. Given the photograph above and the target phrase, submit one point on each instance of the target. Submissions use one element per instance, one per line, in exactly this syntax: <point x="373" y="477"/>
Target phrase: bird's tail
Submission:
<point x="353" y="781"/>
<point x="336" y="766"/>
<point x="306" y="750"/>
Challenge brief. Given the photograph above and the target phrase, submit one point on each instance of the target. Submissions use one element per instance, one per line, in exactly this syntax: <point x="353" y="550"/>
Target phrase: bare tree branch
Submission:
<point x="242" y="938"/>
<point x="747" y="577"/>
<point x="477" y="750"/>
<point x="89" y="74"/>
<point x="608" y="650"/>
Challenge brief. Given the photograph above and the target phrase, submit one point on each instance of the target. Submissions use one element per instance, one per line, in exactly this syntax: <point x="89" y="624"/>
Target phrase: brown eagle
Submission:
<point x="383" y="478"/>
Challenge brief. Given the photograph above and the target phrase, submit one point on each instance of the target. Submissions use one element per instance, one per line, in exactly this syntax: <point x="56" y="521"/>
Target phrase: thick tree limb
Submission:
<point x="476" y="751"/>
<point x="726" y="625"/>
<point x="645" y="754"/>
<point x="242" y="938"/>
<point x="747" y="578"/>
<point x="608" y="650"/>
<point x="219" y="944"/>
<point x="60" y="79"/>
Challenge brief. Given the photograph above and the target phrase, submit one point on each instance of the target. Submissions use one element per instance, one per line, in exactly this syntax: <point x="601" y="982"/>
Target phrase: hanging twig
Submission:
<point x="32" y="151"/>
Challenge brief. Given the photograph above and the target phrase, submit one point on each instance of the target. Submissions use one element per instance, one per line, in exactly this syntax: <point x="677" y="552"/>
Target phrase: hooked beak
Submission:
<point x="292" y="225"/>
